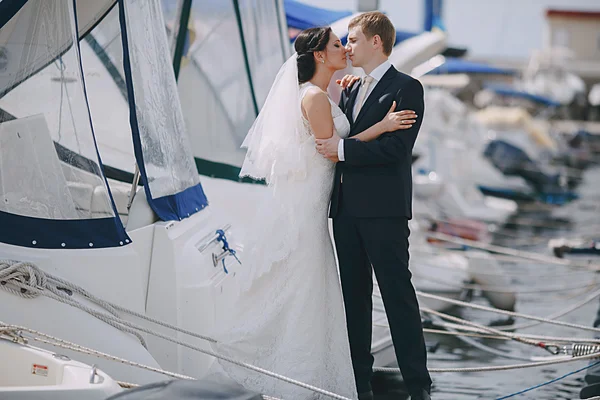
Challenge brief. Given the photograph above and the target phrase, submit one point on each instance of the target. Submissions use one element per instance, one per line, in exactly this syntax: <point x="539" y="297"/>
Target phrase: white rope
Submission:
<point x="500" y="367"/>
<point x="512" y="336"/>
<point x="557" y="314"/>
<point x="57" y="342"/>
<point x="28" y="281"/>
<point x="29" y="274"/>
<point x="34" y="271"/>
<point x="485" y="348"/>
<point x="504" y="289"/>
<point x="467" y="254"/>
<point x="550" y="318"/>
<point x="64" y="344"/>
<point x="576" y="349"/>
<point x="32" y="289"/>
<point x="216" y="355"/>
<point x="533" y="336"/>
<point x="481" y="333"/>
<point x="489" y="256"/>
<point x="127" y="385"/>
<point x="512" y="252"/>
<point x="508" y="313"/>
<point x="60" y="343"/>
<point x="555" y="339"/>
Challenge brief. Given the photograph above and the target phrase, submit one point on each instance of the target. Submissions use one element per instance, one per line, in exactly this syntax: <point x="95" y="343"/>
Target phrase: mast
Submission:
<point x="368" y="5"/>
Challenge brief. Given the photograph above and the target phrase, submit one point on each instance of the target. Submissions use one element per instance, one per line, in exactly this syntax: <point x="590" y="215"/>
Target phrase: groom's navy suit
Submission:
<point x="370" y="207"/>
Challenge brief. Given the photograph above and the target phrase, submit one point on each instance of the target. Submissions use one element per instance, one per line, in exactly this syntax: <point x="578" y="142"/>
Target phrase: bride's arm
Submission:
<point x="392" y="121"/>
<point x="317" y="110"/>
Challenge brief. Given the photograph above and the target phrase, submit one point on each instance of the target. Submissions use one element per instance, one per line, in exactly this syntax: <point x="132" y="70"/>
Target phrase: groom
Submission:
<point x="371" y="206"/>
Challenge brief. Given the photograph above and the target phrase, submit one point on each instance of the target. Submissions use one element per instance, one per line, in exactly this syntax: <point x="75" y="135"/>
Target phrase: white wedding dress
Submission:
<point x="289" y="317"/>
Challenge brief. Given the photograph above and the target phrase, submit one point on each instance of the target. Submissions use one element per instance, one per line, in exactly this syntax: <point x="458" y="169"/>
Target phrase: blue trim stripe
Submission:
<point x="43" y="233"/>
<point x="433" y="15"/>
<point x="509" y="91"/>
<point x="459" y="66"/>
<point x="168" y="208"/>
<point x="304" y="16"/>
<point x="181" y="205"/>
<point x="133" y="121"/>
<point x="116" y="220"/>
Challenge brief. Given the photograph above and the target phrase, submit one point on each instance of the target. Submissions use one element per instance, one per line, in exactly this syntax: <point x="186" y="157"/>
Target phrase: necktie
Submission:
<point x="362" y="94"/>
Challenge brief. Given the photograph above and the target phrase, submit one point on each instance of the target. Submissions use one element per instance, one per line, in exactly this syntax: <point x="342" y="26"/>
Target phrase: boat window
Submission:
<point x="49" y="166"/>
<point x="213" y="82"/>
<point x="165" y="145"/>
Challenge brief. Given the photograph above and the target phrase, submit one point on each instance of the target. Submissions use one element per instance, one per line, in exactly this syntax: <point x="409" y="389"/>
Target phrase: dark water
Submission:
<point x="582" y="216"/>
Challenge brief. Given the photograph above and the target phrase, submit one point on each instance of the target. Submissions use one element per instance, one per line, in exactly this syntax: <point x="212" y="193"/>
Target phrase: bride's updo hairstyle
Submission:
<point x="307" y="42"/>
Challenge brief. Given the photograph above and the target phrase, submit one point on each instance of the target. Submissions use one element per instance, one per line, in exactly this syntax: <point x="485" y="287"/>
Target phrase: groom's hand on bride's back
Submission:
<point x="347" y="81"/>
<point x="328" y="148"/>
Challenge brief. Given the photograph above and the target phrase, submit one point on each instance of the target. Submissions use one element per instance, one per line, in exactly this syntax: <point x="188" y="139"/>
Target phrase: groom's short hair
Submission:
<point x="376" y="23"/>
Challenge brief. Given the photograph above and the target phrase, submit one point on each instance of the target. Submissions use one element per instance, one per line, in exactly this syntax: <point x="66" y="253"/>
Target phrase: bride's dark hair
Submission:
<point x="307" y="42"/>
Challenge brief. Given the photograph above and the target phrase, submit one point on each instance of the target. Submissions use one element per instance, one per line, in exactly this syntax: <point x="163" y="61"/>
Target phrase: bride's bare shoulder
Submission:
<point x="314" y="96"/>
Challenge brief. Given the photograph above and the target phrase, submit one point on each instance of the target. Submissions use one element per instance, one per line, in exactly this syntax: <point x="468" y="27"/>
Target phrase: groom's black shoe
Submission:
<point x="423" y="395"/>
<point x="365" y="396"/>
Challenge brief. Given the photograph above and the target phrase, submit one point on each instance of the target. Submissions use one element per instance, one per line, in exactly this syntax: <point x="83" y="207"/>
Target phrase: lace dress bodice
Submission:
<point x="340" y="122"/>
<point x="321" y="170"/>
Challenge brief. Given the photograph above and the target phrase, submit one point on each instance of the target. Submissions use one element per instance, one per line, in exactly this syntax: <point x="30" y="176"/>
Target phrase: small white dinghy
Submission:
<point x="31" y="373"/>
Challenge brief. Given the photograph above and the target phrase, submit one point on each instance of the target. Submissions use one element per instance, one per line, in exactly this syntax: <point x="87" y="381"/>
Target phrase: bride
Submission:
<point x="289" y="315"/>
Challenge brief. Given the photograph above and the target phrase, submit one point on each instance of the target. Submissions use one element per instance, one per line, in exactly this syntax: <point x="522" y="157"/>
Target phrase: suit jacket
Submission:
<point x="376" y="176"/>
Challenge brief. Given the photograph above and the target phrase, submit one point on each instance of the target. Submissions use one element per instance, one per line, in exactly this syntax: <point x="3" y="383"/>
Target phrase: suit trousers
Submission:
<point x="379" y="244"/>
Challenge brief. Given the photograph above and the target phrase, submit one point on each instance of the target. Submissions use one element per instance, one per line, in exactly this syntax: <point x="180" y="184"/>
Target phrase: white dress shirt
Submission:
<point x="376" y="74"/>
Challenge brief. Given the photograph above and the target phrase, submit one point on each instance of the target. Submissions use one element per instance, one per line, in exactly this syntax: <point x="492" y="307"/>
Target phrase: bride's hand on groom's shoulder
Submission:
<point x="347" y="81"/>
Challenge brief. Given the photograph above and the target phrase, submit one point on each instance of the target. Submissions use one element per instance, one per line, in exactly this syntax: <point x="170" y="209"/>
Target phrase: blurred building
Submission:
<point x="578" y="31"/>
